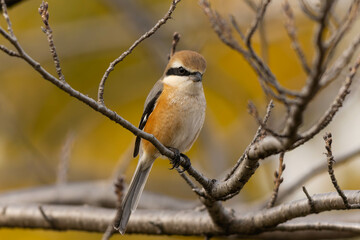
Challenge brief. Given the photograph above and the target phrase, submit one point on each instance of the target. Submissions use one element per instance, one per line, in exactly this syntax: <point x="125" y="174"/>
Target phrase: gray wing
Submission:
<point x="158" y="86"/>
<point x="148" y="108"/>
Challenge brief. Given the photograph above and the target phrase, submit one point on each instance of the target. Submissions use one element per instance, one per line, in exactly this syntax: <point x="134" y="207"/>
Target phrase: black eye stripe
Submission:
<point x="180" y="71"/>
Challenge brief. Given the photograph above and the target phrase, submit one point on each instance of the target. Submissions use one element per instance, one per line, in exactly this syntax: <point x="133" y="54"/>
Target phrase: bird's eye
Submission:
<point x="182" y="70"/>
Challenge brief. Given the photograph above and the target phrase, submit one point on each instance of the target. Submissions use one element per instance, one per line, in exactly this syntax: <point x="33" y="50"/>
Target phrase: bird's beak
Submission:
<point x="197" y="77"/>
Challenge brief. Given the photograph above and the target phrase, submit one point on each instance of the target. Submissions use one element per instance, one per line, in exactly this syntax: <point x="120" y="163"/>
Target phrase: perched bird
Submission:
<point x="174" y="113"/>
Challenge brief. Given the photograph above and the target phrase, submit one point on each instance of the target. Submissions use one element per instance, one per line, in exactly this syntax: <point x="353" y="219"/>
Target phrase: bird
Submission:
<point x="174" y="113"/>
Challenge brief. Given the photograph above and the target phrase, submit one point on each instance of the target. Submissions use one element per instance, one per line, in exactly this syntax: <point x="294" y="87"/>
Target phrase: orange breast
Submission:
<point x="162" y="122"/>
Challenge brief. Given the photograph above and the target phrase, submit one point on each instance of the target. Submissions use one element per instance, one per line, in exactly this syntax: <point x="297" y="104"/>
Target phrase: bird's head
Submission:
<point x="185" y="68"/>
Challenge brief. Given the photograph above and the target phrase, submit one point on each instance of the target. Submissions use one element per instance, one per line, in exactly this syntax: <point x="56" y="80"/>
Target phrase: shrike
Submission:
<point x="174" y="113"/>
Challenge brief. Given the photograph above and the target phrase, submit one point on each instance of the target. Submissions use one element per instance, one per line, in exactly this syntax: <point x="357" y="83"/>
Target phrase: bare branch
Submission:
<point x="312" y="85"/>
<point x="253" y="112"/>
<point x="320" y="226"/>
<point x="258" y="135"/>
<point x="6" y="16"/>
<point x="219" y="215"/>
<point x="311" y="13"/>
<point x="176" y="39"/>
<point x="278" y="180"/>
<point x="252" y="5"/>
<point x="8" y="51"/>
<point x="345" y="26"/>
<point x="315" y="170"/>
<point x="169" y="222"/>
<point x="311" y="201"/>
<point x="161" y="22"/>
<point x="340" y="63"/>
<point x="317" y="70"/>
<point x="237" y="27"/>
<point x="119" y="191"/>
<point x="44" y="13"/>
<point x="331" y="160"/>
<point x="224" y="32"/>
<point x="259" y="16"/>
<point x="193" y="186"/>
<point x="261" y="27"/>
<point x="46" y="217"/>
<point x="325" y="120"/>
<point x="292" y="33"/>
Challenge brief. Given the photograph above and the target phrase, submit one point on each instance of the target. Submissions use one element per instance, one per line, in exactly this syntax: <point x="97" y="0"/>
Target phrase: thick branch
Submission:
<point x="166" y="222"/>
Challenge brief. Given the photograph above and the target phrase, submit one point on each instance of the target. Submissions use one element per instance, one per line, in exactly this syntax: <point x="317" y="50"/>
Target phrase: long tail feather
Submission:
<point x="133" y="194"/>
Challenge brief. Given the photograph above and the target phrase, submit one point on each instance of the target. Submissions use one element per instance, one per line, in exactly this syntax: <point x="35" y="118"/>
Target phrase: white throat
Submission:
<point x="183" y="83"/>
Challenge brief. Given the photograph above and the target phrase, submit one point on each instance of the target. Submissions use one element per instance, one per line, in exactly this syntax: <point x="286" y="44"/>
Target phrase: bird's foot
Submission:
<point x="177" y="160"/>
<point x="187" y="163"/>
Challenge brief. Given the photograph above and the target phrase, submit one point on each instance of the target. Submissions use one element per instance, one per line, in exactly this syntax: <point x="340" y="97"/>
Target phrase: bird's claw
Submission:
<point x="187" y="164"/>
<point x="177" y="159"/>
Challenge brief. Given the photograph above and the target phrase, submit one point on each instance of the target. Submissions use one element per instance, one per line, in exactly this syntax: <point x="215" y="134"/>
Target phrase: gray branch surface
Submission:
<point x="168" y="222"/>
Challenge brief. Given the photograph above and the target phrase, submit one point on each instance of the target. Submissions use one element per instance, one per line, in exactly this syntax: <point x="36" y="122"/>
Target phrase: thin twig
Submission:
<point x="44" y="13"/>
<point x="268" y="76"/>
<point x="334" y="22"/>
<point x="161" y="22"/>
<point x="319" y="58"/>
<point x="6" y="16"/>
<point x="224" y="32"/>
<point x="330" y="159"/>
<point x="262" y="30"/>
<point x="312" y="86"/>
<point x="345" y="26"/>
<point x="9" y="51"/>
<point x="259" y="16"/>
<point x="292" y="33"/>
<point x="263" y="46"/>
<point x="252" y="5"/>
<point x="311" y="13"/>
<point x="46" y="217"/>
<point x="257" y="136"/>
<point x="333" y="109"/>
<point x="253" y="112"/>
<point x="193" y="186"/>
<point x="278" y="180"/>
<point x="119" y="191"/>
<point x="340" y="64"/>
<point x="237" y="27"/>
<point x="310" y="200"/>
<point x="176" y="39"/>
<point x="315" y="170"/>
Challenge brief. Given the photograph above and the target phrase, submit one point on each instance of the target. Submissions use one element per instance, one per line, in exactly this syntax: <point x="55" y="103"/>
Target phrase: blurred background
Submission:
<point x="40" y="124"/>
